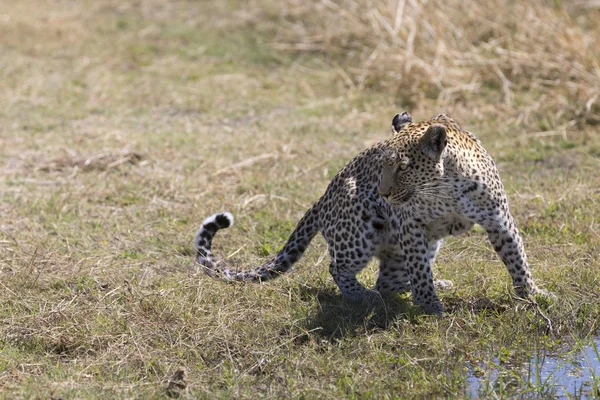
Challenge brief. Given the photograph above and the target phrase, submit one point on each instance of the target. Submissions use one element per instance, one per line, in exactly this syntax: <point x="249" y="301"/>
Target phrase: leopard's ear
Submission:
<point x="400" y="120"/>
<point x="434" y="141"/>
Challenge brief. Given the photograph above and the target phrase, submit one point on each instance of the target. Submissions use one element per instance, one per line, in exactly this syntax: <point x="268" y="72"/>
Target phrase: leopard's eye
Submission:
<point x="403" y="166"/>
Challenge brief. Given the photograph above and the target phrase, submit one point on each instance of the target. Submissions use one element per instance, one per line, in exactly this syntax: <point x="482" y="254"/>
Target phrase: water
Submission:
<point x="570" y="374"/>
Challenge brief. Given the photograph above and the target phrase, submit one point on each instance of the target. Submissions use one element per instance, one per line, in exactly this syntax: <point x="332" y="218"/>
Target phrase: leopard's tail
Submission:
<point x="295" y="246"/>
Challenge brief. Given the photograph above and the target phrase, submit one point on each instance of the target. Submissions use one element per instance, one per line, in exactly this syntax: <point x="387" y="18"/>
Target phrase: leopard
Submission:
<point x="396" y="201"/>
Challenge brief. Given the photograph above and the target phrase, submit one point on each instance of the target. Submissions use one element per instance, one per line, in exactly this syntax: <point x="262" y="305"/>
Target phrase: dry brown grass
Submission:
<point x="535" y="57"/>
<point x="125" y="123"/>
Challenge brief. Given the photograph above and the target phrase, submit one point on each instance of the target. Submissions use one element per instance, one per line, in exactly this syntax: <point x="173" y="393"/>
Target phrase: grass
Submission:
<point x="124" y="124"/>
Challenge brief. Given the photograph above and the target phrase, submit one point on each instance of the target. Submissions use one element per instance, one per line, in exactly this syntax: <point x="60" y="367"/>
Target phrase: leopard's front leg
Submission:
<point x="418" y="259"/>
<point x="487" y="205"/>
<point x="508" y="244"/>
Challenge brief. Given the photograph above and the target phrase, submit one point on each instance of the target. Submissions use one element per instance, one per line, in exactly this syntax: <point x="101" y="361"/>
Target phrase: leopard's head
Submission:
<point x="413" y="164"/>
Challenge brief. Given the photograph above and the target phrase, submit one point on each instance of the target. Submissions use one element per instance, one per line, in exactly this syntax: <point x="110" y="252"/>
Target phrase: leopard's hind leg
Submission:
<point x="351" y="247"/>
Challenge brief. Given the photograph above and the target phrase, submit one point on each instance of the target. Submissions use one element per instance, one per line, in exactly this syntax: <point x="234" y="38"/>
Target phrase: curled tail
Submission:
<point x="295" y="246"/>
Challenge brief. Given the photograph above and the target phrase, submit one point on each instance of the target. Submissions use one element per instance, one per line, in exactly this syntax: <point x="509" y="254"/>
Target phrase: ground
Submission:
<point x="123" y="124"/>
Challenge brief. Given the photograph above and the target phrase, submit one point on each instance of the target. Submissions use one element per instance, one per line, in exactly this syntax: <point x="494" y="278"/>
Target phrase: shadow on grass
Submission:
<point x="335" y="318"/>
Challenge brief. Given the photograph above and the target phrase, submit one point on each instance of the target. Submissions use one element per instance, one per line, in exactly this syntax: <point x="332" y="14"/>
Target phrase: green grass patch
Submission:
<point x="123" y="126"/>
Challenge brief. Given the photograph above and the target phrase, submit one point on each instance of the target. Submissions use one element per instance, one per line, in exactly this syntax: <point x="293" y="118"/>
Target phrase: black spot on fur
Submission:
<point x="293" y="252"/>
<point x="201" y="253"/>
<point x="378" y="225"/>
<point x="211" y="227"/>
<point x="471" y="188"/>
<point x="222" y="221"/>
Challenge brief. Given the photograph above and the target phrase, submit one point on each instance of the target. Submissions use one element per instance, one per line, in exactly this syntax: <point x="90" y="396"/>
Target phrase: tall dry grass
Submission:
<point x="535" y="57"/>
